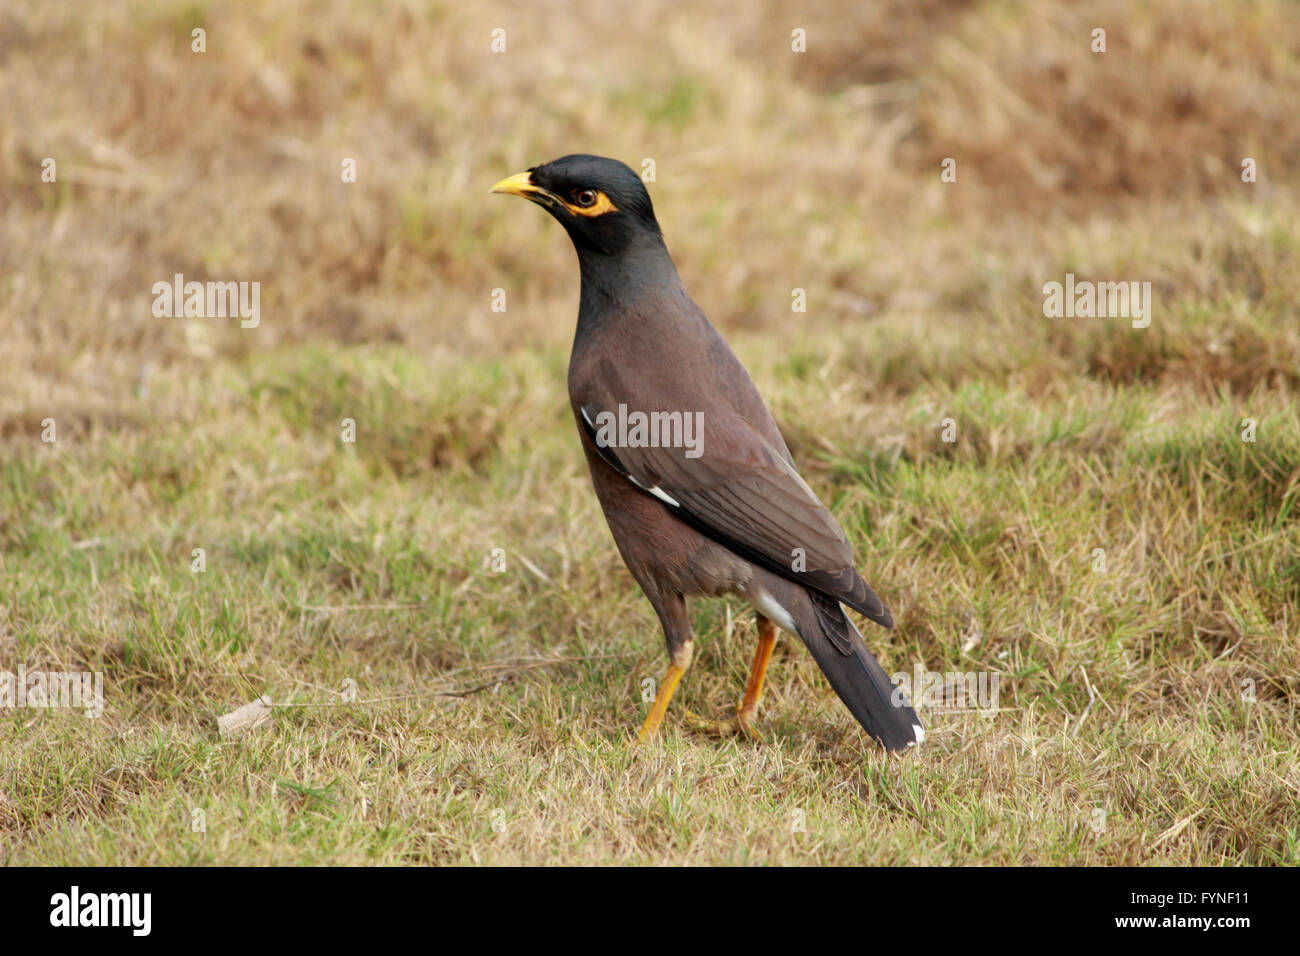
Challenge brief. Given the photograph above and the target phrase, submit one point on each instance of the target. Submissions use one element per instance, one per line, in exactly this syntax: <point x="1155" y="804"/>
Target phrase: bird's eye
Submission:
<point x="584" y="197"/>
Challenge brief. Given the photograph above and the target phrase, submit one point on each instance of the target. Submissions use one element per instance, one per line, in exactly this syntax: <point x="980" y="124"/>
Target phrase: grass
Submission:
<point x="431" y="709"/>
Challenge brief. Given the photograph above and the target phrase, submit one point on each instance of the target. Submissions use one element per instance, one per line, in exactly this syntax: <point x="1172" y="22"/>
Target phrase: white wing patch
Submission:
<point x="656" y="490"/>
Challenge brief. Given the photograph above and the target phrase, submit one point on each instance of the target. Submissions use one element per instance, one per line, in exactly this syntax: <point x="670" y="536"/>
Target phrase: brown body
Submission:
<point x="668" y="557"/>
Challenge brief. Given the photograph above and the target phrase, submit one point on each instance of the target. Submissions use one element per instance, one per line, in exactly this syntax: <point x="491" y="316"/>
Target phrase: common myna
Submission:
<point x="695" y="480"/>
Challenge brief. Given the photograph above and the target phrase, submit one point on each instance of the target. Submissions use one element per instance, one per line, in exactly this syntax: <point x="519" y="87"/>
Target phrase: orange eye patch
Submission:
<point x="589" y="202"/>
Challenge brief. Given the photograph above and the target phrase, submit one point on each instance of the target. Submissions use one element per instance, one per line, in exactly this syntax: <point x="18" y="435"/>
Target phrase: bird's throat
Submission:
<point x="620" y="285"/>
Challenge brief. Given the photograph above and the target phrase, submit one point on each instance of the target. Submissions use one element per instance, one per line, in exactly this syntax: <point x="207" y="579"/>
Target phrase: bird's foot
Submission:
<point x="742" y="723"/>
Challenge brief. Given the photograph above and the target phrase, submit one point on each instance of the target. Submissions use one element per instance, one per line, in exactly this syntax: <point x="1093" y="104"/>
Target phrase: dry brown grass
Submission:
<point x="771" y="165"/>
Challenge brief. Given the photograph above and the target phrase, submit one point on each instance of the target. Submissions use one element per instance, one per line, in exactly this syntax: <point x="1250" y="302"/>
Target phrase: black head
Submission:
<point x="601" y="202"/>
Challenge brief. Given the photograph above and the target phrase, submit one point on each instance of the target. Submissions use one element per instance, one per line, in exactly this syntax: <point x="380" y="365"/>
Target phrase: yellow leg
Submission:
<point x="753" y="689"/>
<point x="758" y="673"/>
<point x="666" y="690"/>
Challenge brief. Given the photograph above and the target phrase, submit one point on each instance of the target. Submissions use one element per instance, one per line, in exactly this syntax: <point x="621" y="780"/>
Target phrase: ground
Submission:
<point x="1111" y="530"/>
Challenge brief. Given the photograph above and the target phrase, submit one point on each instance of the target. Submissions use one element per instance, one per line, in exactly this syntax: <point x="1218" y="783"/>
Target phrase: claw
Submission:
<point x="742" y="723"/>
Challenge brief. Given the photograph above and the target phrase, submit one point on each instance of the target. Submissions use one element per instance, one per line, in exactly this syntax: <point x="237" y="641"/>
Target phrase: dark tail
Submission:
<point x="856" y="676"/>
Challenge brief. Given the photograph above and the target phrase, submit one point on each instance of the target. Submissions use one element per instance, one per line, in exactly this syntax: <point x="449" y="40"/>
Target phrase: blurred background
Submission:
<point x="774" y="170"/>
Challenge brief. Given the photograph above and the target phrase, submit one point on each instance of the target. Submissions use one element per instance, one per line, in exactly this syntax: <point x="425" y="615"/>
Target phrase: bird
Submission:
<point x="697" y="485"/>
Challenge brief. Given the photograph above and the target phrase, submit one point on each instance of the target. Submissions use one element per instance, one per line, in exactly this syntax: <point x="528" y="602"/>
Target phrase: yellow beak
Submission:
<point x="520" y="184"/>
